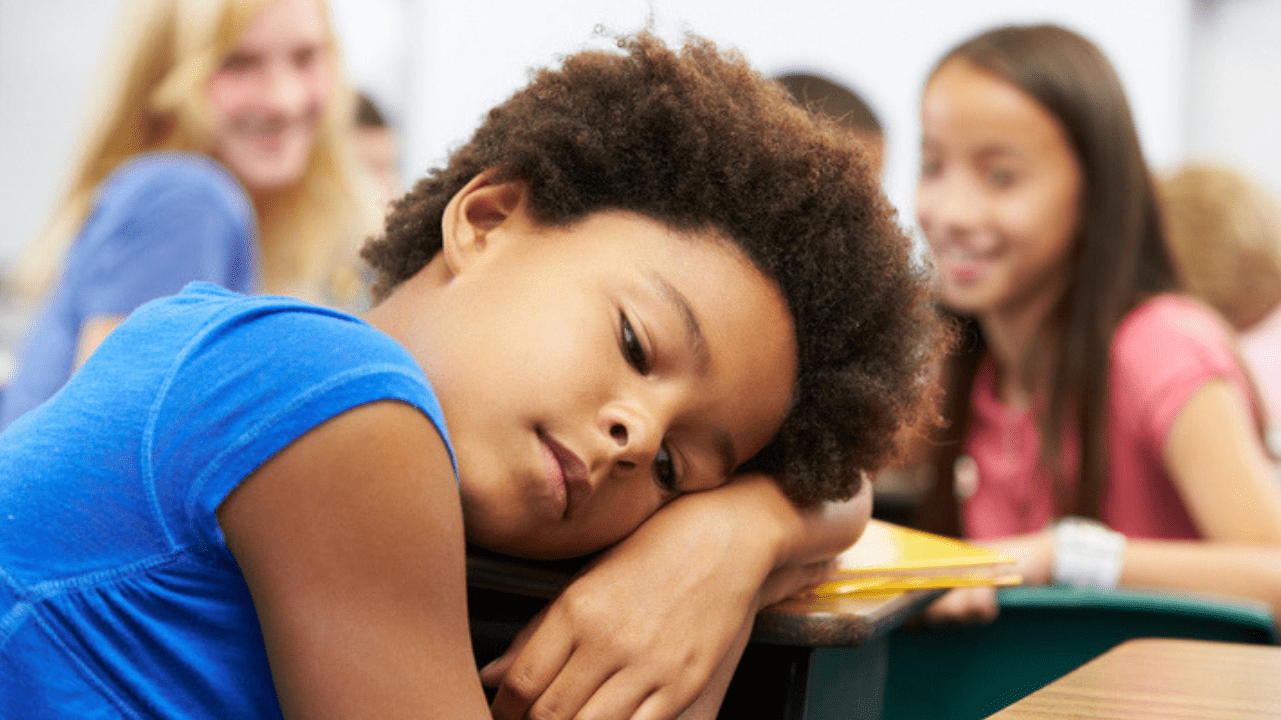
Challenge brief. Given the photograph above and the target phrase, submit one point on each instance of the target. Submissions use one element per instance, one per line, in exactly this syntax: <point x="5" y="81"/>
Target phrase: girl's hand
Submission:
<point x="1033" y="559"/>
<point x="639" y="634"/>
<point x="964" y="605"/>
<point x="1033" y="554"/>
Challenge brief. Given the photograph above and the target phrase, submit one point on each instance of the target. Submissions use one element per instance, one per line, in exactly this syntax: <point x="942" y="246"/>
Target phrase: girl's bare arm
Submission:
<point x="351" y="542"/>
<point x="1226" y="480"/>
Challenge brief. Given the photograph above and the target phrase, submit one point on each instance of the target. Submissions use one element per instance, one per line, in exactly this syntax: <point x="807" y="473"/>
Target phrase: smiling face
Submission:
<point x="270" y="93"/>
<point x="999" y="193"/>
<point x="590" y="373"/>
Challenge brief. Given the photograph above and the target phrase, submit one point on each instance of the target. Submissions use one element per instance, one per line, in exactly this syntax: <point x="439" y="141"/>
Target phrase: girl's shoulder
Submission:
<point x="208" y="319"/>
<point x="168" y="174"/>
<point x="1171" y="318"/>
<point x="1166" y="348"/>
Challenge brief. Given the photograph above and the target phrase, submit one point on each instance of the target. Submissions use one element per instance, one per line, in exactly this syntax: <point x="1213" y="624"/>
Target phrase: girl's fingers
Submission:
<point x="965" y="605"/>
<point x="626" y="697"/>
<point x="530" y="670"/>
<point x="588" y="688"/>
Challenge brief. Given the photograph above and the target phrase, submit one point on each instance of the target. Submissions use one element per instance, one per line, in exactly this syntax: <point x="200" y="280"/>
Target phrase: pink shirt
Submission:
<point x="1163" y="351"/>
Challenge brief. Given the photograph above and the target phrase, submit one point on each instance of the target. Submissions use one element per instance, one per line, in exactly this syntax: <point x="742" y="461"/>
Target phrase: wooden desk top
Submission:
<point x="838" y="622"/>
<point x="812" y="622"/>
<point x="1162" y="678"/>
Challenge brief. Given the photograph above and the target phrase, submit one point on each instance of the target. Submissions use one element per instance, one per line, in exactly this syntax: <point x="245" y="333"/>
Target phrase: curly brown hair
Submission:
<point x="700" y="141"/>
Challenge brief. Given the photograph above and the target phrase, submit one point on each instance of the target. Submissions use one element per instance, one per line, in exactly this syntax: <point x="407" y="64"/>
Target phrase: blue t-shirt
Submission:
<point x="118" y="595"/>
<point x="159" y="221"/>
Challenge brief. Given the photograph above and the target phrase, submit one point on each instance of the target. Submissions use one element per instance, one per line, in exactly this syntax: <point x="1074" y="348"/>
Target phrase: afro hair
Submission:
<point x="698" y="140"/>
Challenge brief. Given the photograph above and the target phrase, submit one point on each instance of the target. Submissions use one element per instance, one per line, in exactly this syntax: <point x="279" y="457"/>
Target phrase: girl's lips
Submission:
<point x="964" y="272"/>
<point x="555" y="476"/>
<point x="566" y="473"/>
<point x="964" y="268"/>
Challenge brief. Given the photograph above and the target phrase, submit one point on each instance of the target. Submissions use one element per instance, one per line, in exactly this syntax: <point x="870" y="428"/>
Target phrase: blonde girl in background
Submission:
<point x="1225" y="234"/>
<point x="221" y="154"/>
<point x="1103" y="431"/>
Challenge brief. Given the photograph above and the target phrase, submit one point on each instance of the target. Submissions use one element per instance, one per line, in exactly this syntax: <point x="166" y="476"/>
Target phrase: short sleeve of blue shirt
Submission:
<point x="246" y="388"/>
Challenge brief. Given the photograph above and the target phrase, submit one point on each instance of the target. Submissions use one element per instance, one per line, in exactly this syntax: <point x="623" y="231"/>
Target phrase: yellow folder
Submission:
<point x="891" y="558"/>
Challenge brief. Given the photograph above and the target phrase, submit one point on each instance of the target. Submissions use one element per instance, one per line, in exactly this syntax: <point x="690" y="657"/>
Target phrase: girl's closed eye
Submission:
<point x="631" y="345"/>
<point x="665" y="473"/>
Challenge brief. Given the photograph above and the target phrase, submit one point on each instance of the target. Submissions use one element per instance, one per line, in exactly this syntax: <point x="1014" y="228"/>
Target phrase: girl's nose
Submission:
<point x="287" y="92"/>
<point x="632" y="435"/>
<point x="949" y="205"/>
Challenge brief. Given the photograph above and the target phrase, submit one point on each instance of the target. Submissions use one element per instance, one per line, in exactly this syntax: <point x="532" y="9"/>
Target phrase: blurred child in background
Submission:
<point x="378" y="147"/>
<point x="221" y="154"/>
<point x="1225" y="234"/>
<point x="1102" y="430"/>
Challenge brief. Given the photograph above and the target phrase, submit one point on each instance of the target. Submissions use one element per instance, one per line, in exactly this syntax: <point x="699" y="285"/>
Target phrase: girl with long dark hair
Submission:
<point x="1100" y="425"/>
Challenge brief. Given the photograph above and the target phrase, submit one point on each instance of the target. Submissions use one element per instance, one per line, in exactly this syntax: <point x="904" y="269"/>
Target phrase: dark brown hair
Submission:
<point x="1118" y="258"/>
<point x="831" y="98"/>
<point x="700" y="141"/>
<point x="367" y="113"/>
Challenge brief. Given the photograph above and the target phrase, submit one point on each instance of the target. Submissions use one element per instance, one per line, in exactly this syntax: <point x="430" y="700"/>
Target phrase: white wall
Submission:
<point x="1234" y="83"/>
<point x="372" y="38"/>
<point x="50" y="53"/>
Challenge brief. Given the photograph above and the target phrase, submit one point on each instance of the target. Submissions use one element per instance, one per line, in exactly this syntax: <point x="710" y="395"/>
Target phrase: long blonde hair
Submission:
<point x="170" y="49"/>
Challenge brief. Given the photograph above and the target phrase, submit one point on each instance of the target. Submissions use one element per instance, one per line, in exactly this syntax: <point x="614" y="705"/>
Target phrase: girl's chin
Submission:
<point x="265" y="171"/>
<point x="964" y="302"/>
<point x="270" y="178"/>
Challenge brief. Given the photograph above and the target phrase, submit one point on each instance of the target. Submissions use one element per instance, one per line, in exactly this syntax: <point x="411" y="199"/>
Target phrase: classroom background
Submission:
<point x="1200" y="73"/>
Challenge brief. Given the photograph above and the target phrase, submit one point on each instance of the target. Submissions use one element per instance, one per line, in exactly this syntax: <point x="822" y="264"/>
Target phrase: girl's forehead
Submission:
<point x="284" y="21"/>
<point x="963" y="102"/>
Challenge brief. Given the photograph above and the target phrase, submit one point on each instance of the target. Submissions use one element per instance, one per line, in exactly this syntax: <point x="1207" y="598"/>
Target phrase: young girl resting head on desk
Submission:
<point x="1090" y="403"/>
<point x="645" y="274"/>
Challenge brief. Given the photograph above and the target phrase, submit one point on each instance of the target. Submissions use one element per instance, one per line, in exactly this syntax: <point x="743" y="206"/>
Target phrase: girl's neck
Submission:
<point x="1023" y="344"/>
<point x="264" y="201"/>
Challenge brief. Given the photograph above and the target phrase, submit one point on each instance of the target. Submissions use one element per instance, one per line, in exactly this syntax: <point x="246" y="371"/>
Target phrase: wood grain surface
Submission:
<point x="1163" y="678"/>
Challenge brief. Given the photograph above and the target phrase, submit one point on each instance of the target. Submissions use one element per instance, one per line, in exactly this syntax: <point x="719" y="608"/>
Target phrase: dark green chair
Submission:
<point x="970" y="672"/>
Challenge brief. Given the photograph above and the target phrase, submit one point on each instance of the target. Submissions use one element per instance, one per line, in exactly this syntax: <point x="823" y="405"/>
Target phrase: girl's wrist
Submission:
<point x="803" y="535"/>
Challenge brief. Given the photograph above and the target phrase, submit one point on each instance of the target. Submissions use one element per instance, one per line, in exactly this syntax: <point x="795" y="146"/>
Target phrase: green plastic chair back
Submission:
<point x="969" y="672"/>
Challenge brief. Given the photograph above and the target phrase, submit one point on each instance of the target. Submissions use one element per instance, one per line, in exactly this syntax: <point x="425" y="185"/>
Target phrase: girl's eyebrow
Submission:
<point x="693" y="331"/>
<point x="989" y="152"/>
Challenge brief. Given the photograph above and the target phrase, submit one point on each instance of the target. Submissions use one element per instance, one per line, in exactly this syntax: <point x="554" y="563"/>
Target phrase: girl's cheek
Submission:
<point x="319" y="87"/>
<point x="227" y="93"/>
<point x="925" y="198"/>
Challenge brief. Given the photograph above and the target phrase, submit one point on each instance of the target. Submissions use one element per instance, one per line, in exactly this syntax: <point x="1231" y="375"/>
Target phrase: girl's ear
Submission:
<point x="472" y="215"/>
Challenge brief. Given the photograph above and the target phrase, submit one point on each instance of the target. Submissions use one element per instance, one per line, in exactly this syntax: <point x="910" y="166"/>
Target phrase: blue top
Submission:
<point x="160" y="221"/>
<point x="118" y="595"/>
